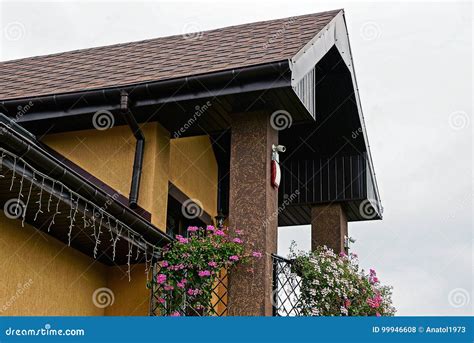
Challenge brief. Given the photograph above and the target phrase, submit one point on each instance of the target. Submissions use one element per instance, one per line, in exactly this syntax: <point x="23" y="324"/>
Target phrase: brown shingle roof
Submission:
<point x="160" y="58"/>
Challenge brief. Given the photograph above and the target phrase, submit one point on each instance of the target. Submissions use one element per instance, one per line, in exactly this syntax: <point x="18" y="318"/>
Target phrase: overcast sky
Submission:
<point x="414" y="68"/>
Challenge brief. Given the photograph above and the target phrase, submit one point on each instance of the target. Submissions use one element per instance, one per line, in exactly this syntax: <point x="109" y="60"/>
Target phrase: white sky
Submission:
<point x="414" y="67"/>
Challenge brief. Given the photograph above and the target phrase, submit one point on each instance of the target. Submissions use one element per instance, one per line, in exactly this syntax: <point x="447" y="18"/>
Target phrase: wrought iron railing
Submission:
<point x="217" y="307"/>
<point x="286" y="288"/>
<point x="286" y="294"/>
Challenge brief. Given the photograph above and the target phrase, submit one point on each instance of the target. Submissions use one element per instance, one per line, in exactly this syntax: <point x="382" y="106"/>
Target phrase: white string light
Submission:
<point x="116" y="232"/>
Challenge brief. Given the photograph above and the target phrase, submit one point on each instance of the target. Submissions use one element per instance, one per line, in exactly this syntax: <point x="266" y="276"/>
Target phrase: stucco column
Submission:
<point x="328" y="227"/>
<point x="252" y="206"/>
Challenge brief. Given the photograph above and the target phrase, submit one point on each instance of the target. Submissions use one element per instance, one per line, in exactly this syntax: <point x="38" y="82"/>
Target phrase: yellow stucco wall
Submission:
<point x="189" y="163"/>
<point x="193" y="169"/>
<point x="108" y="155"/>
<point x="43" y="276"/>
<point x="131" y="298"/>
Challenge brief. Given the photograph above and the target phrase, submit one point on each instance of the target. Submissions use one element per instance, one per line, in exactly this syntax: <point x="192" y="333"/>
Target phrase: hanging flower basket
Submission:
<point x="190" y="267"/>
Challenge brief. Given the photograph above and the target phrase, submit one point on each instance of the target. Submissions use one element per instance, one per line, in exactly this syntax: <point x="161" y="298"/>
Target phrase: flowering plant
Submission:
<point x="333" y="285"/>
<point x="191" y="266"/>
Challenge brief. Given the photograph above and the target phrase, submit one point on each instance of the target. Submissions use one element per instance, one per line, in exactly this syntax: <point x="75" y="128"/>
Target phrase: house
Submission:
<point x="108" y="153"/>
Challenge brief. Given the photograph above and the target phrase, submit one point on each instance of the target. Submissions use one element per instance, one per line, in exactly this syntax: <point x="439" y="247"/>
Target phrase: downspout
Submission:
<point x="139" y="149"/>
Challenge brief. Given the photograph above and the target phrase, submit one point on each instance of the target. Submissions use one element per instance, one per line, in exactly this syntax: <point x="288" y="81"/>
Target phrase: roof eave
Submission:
<point x="18" y="142"/>
<point x="333" y="34"/>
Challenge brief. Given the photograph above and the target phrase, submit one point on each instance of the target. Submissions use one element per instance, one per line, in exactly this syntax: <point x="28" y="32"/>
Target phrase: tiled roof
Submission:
<point x="160" y="58"/>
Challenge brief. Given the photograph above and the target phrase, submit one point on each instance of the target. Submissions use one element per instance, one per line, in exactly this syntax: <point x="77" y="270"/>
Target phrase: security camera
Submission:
<point x="278" y="148"/>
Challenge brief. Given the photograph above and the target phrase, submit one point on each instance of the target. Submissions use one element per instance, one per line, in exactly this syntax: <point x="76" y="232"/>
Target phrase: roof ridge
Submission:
<point x="164" y="37"/>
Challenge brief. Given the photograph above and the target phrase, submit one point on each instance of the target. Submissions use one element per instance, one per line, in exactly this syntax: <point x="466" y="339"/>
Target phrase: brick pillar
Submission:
<point x="252" y="205"/>
<point x="328" y="227"/>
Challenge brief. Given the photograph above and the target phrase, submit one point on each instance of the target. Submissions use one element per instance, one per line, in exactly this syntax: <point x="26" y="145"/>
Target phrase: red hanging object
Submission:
<point x="276" y="174"/>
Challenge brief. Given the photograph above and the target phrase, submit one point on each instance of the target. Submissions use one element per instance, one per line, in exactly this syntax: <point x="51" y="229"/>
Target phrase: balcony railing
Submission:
<point x="286" y="294"/>
<point x="286" y="288"/>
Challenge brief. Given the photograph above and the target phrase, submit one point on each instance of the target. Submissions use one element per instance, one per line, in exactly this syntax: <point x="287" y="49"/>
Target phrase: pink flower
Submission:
<point x="175" y="314"/>
<point x="234" y="258"/>
<point x="219" y="233"/>
<point x="204" y="273"/>
<point x="377" y="314"/>
<point x="182" y="283"/>
<point x="181" y="239"/>
<point x="342" y="254"/>
<point x="168" y="288"/>
<point x="347" y="303"/>
<point x="161" y="278"/>
<point x="239" y="232"/>
<point x="193" y="291"/>
<point x="212" y="264"/>
<point x="375" y="302"/>
<point x="210" y="228"/>
<point x="257" y="254"/>
<point x="177" y="267"/>
<point x="193" y="229"/>
<point x="165" y="264"/>
<point x="372" y="277"/>
<point x="161" y="300"/>
<point x="237" y="240"/>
